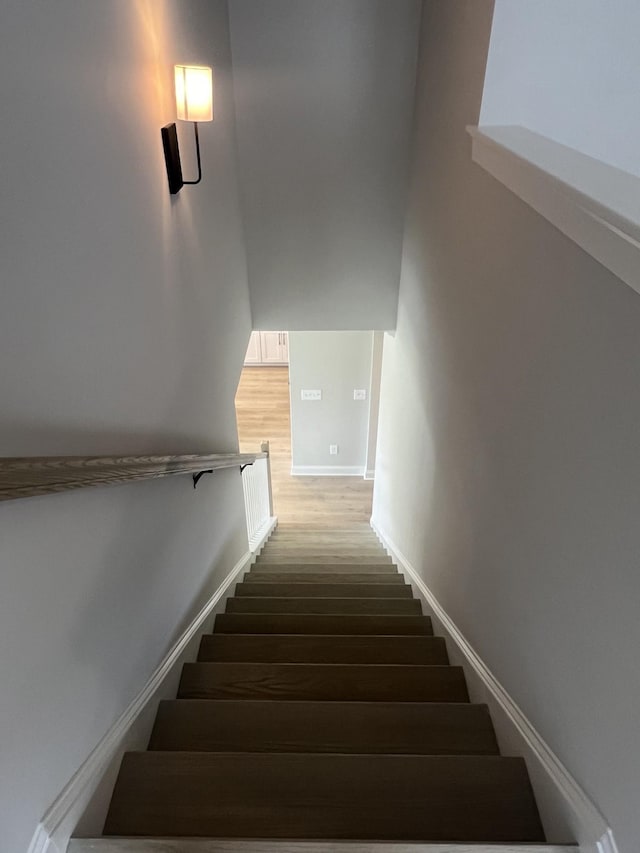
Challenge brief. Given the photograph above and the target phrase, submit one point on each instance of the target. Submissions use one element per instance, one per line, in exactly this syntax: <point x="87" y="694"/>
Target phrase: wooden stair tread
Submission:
<point x="272" y="604"/>
<point x="290" y="623"/>
<point x="357" y="554"/>
<point x="323" y="648"/>
<point x="334" y="540"/>
<point x="371" y="559"/>
<point x="324" y="590"/>
<point x="325" y="681"/>
<point x="318" y="577"/>
<point x="235" y="845"/>
<point x="307" y="726"/>
<point x="300" y="795"/>
<point x="330" y="535"/>
<point x="324" y="567"/>
<point x="331" y="543"/>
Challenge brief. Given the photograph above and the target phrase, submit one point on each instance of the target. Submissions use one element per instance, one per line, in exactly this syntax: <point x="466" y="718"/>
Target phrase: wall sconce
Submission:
<point x="194" y="102"/>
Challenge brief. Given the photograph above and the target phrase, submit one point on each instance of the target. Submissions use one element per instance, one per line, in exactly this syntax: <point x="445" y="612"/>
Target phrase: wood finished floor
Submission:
<point x="263" y="412"/>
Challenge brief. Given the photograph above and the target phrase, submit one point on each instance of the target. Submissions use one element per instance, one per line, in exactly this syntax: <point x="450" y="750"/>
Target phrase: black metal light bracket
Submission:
<point x="172" y="157"/>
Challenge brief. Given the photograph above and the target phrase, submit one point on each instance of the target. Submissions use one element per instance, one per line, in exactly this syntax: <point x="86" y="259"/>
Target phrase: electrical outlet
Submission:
<point x="359" y="394"/>
<point x="333" y="449"/>
<point x="311" y="395"/>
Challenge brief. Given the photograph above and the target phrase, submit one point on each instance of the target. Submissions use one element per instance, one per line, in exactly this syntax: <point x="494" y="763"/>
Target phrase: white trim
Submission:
<point x="54" y="830"/>
<point x="327" y="470"/>
<point x="370" y="474"/>
<point x="594" y="204"/>
<point x="606" y="843"/>
<point x="564" y="806"/>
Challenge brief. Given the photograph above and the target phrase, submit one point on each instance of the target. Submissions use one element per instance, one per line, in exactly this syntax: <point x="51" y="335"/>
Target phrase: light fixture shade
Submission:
<point x="194" y="92"/>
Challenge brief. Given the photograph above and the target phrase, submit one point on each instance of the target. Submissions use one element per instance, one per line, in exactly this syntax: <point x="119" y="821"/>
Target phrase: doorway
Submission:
<point x="263" y="412"/>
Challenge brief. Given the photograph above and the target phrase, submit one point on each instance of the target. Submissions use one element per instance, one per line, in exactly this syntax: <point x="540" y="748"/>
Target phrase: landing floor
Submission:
<point x="263" y="412"/>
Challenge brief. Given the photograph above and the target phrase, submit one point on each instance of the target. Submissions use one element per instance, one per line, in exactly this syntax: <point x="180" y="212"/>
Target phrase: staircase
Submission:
<point x="322" y="707"/>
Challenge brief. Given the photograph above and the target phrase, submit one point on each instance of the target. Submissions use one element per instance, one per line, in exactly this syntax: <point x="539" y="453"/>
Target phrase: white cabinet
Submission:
<point x="285" y="347"/>
<point x="253" y="355"/>
<point x="274" y="347"/>
<point x="268" y="348"/>
<point x="270" y="344"/>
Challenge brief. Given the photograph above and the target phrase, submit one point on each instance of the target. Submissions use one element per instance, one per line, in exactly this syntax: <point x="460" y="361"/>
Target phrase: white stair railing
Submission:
<point x="258" y="499"/>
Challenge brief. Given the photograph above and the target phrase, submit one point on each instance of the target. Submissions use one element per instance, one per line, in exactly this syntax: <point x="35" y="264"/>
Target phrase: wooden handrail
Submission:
<point x="28" y="476"/>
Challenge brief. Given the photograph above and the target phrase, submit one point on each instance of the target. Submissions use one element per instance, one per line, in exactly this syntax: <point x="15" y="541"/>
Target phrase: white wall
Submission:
<point x="508" y="464"/>
<point x="324" y="94"/>
<point x="336" y="363"/>
<point x="124" y="317"/>
<point x="570" y="70"/>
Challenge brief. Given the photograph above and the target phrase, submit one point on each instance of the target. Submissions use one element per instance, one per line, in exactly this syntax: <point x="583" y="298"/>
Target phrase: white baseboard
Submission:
<point x="568" y="815"/>
<point x="606" y="843"/>
<point x="327" y="471"/>
<point x="370" y="474"/>
<point x="131" y="730"/>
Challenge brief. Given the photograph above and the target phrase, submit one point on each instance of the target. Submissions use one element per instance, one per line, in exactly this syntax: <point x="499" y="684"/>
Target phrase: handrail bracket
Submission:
<point x="197" y="476"/>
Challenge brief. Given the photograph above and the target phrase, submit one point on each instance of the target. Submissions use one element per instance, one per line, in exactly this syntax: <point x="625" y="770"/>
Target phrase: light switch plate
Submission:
<point x="359" y="394"/>
<point x="333" y="449"/>
<point x="311" y="395"/>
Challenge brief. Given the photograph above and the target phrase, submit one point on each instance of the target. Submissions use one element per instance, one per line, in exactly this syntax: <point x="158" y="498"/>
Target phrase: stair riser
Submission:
<point x="324" y="796"/>
<point x="303" y="648"/>
<point x="324" y="682"/>
<point x="250" y="623"/>
<point x="324" y="577"/>
<point x="341" y="727"/>
<point x="327" y="605"/>
<point x="325" y="568"/>
<point x="323" y="557"/>
<point x="358" y="554"/>
<point x="327" y="590"/>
